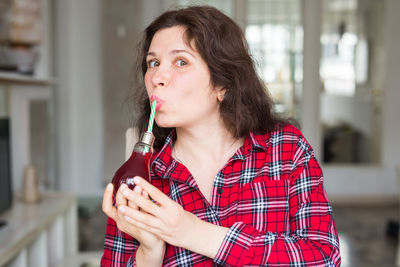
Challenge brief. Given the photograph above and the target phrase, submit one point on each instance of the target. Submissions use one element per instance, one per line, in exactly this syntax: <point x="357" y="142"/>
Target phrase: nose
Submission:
<point x="161" y="76"/>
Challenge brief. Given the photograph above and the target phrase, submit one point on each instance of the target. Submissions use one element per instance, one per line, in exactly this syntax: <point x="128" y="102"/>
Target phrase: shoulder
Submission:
<point x="280" y="151"/>
<point x="288" y="132"/>
<point x="285" y="145"/>
<point x="285" y="135"/>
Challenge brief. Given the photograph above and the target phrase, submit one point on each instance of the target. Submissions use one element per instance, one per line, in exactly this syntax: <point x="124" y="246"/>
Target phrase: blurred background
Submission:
<point x="66" y="73"/>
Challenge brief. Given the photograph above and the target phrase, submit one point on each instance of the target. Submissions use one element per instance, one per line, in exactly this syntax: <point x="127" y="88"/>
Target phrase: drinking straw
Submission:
<point x="152" y="113"/>
<point x="151" y="121"/>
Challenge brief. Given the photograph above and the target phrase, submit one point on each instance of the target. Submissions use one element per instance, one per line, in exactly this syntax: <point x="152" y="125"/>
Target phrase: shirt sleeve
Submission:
<point x="312" y="239"/>
<point x="119" y="248"/>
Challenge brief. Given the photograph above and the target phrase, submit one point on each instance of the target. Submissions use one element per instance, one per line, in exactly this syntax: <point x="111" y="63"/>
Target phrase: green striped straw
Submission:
<point x="151" y="120"/>
<point x="152" y="113"/>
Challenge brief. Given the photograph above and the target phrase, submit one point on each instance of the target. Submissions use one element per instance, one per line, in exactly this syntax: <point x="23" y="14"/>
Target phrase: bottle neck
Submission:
<point x="145" y="145"/>
<point x="147" y="138"/>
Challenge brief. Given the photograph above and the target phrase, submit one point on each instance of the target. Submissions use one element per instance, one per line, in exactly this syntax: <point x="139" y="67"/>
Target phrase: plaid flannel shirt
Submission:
<point x="269" y="194"/>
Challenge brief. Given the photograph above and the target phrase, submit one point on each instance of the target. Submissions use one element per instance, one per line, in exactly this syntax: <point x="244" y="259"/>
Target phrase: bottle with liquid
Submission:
<point x="138" y="163"/>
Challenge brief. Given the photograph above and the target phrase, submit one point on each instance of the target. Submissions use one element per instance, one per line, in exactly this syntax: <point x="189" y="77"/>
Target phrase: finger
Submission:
<point x="119" y="197"/>
<point x="143" y="203"/>
<point x="146" y="196"/>
<point x="154" y="192"/>
<point x="107" y="205"/>
<point x="132" y="204"/>
<point x="146" y="220"/>
<point x="120" y="215"/>
<point x="138" y="189"/>
<point x="142" y="226"/>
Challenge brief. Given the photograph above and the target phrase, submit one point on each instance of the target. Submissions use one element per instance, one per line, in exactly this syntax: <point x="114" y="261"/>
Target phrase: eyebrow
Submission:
<point x="175" y="51"/>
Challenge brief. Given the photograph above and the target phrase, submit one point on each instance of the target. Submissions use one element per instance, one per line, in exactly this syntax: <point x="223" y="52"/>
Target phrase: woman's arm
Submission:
<point x="150" y="256"/>
<point x="124" y="241"/>
<point x="118" y="246"/>
<point x="311" y="238"/>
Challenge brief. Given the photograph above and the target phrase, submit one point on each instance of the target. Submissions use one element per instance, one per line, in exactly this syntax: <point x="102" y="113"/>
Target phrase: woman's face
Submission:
<point x="179" y="79"/>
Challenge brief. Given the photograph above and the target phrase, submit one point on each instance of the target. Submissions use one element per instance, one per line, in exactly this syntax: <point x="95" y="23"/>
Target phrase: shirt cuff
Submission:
<point x="235" y="247"/>
<point x="235" y="244"/>
<point x="132" y="260"/>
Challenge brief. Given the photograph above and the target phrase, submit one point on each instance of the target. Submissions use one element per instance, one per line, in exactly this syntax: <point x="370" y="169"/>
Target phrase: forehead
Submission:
<point x="171" y="38"/>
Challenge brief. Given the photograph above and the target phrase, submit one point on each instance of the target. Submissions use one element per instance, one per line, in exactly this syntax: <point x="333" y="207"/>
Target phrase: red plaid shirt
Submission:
<point x="270" y="194"/>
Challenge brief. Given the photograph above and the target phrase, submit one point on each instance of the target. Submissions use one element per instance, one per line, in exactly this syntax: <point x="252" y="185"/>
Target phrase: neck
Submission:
<point x="199" y="143"/>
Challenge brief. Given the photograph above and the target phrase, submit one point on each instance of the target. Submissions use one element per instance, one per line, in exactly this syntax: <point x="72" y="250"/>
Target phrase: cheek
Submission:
<point x="147" y="83"/>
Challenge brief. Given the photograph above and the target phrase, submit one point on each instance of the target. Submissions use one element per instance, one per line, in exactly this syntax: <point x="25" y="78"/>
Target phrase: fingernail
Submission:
<point x="121" y="209"/>
<point x="129" y="219"/>
<point x="125" y="192"/>
<point x="136" y="180"/>
<point x="109" y="187"/>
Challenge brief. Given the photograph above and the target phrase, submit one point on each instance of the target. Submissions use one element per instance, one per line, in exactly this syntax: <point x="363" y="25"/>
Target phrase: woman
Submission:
<point x="231" y="183"/>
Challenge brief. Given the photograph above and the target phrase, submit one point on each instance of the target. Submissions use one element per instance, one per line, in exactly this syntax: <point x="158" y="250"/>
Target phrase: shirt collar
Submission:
<point x="163" y="164"/>
<point x="254" y="142"/>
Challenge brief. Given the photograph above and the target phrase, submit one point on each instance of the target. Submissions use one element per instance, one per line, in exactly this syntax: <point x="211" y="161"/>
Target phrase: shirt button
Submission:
<point x="219" y="190"/>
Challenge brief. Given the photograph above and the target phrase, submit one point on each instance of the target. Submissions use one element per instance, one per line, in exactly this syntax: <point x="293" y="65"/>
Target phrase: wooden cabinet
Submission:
<point x="28" y="100"/>
<point x="42" y="234"/>
<point x="32" y="133"/>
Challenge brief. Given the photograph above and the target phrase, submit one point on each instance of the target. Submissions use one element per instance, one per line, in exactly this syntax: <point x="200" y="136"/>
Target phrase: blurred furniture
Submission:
<point x="398" y="246"/>
<point x="41" y="234"/>
<point x="28" y="100"/>
<point x="86" y="259"/>
<point x="21" y="34"/>
<point x="19" y="98"/>
<point x="341" y="144"/>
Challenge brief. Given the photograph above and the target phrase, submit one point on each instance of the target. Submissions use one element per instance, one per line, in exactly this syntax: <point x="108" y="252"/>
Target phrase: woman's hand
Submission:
<point x="148" y="241"/>
<point x="168" y="220"/>
<point x="161" y="215"/>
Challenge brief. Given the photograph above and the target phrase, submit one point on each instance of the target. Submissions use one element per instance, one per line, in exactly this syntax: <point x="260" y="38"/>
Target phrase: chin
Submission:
<point x="165" y="124"/>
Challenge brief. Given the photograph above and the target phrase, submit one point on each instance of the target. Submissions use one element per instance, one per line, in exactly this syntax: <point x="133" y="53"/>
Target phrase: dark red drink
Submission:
<point x="138" y="164"/>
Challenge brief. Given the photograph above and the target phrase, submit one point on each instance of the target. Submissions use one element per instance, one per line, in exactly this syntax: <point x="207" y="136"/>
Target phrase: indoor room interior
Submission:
<point x="66" y="79"/>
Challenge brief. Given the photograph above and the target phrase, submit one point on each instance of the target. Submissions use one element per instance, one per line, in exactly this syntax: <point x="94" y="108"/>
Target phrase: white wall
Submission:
<point x="122" y="24"/>
<point x="311" y="128"/>
<point x="79" y="103"/>
<point x="78" y="96"/>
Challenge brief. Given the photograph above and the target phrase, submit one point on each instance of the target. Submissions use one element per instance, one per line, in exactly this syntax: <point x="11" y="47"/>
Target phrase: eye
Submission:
<point x="153" y="63"/>
<point x="181" y="62"/>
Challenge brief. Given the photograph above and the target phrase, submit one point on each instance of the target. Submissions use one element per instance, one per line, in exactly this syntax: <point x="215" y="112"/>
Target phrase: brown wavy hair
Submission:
<point x="246" y="106"/>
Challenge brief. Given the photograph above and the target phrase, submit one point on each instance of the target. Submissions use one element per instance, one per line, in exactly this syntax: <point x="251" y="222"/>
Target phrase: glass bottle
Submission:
<point x="138" y="163"/>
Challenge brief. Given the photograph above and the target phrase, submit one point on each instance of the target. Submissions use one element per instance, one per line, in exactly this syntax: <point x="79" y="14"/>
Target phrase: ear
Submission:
<point x="220" y="94"/>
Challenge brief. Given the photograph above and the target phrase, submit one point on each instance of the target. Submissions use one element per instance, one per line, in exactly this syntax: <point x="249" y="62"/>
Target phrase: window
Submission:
<point x="351" y="52"/>
<point x="275" y="35"/>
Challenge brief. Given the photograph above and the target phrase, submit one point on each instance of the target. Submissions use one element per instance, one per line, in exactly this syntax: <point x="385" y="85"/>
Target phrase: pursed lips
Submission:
<point x="160" y="102"/>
